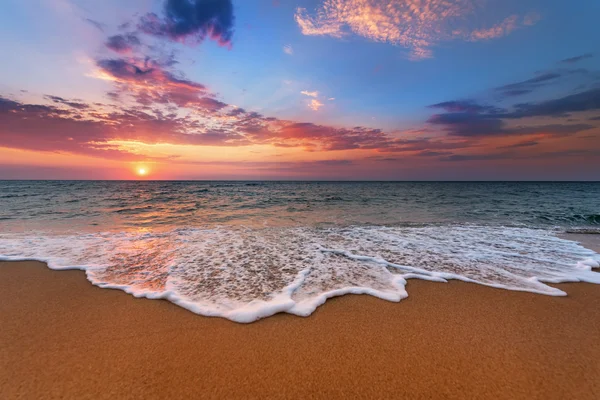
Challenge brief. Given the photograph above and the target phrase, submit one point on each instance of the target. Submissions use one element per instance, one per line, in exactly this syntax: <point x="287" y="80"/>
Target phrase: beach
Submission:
<point x="62" y="337"/>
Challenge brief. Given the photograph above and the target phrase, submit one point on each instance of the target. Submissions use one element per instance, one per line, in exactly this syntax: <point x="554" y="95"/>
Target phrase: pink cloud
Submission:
<point x="415" y="24"/>
<point x="315" y="105"/>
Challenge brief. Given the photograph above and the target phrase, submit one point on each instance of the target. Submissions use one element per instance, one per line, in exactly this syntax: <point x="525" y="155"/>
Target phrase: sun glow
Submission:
<point x="141" y="171"/>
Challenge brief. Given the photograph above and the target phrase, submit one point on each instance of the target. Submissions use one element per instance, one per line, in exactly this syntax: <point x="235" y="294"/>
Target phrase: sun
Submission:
<point x="142" y="171"/>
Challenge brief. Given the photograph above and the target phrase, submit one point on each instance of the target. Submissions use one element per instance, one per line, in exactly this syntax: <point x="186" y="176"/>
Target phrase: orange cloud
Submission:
<point x="310" y="94"/>
<point x="502" y="29"/>
<point x="315" y="104"/>
<point x="415" y="24"/>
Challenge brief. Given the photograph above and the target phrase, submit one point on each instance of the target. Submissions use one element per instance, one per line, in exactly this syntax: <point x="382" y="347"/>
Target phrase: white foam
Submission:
<point x="247" y="274"/>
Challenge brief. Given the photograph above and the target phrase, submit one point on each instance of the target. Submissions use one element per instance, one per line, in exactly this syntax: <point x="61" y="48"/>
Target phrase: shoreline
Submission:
<point x="63" y="337"/>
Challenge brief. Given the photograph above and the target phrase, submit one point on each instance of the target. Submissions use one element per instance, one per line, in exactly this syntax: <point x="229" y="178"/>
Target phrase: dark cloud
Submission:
<point x="516" y="92"/>
<point x="468" y="124"/>
<point x="469" y="106"/>
<point x="526" y="143"/>
<point x="509" y="155"/>
<point x="332" y="162"/>
<point x="482" y="125"/>
<point x="573" y="60"/>
<point x="549" y="130"/>
<point x="113" y="96"/>
<point x="95" y="24"/>
<point x="477" y="157"/>
<point x="123" y="44"/>
<point x="529" y="85"/>
<point x="428" y="153"/>
<point x="584" y="101"/>
<point x="512" y="156"/>
<point x="236" y="111"/>
<point x="122" y="69"/>
<point x="74" y="104"/>
<point x="192" y="21"/>
<point x="570" y="153"/>
<point x="467" y="118"/>
<point x="145" y="72"/>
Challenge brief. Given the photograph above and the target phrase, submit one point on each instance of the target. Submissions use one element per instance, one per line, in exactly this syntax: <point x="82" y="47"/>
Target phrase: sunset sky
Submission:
<point x="300" y="89"/>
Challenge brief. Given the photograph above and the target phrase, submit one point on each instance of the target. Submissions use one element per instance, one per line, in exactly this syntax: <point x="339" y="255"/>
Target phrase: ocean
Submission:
<point x="248" y="250"/>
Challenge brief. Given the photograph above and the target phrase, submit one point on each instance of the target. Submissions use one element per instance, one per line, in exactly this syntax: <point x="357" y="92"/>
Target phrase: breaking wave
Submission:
<point x="245" y="274"/>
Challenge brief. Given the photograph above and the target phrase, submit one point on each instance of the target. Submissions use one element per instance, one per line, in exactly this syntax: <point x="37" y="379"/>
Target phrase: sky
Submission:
<point x="300" y="89"/>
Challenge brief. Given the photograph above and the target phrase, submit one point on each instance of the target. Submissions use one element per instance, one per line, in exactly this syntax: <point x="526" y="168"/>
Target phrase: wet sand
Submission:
<point x="61" y="337"/>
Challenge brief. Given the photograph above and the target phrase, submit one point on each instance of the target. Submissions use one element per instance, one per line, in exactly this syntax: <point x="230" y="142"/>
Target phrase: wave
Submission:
<point x="246" y="274"/>
<point x="584" y="231"/>
<point x="132" y="210"/>
<point x="592" y="219"/>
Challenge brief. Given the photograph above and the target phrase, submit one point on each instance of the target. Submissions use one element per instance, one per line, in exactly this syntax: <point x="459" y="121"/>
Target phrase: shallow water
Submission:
<point x="247" y="250"/>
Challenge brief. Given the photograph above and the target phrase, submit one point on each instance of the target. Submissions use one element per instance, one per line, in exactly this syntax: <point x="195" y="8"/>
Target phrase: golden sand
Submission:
<point x="61" y="337"/>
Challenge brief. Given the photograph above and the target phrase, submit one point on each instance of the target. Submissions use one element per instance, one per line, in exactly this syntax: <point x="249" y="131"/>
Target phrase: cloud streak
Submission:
<point x="573" y="60"/>
<point x="310" y="94"/>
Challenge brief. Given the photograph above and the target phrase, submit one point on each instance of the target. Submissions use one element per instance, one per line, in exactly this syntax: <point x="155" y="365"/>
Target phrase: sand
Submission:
<point x="61" y="337"/>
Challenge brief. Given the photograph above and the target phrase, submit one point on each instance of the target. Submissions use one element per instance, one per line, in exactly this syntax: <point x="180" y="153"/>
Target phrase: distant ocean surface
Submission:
<point x="248" y="250"/>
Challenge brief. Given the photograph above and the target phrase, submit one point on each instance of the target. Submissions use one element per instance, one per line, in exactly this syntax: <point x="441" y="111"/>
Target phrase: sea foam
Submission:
<point x="245" y="274"/>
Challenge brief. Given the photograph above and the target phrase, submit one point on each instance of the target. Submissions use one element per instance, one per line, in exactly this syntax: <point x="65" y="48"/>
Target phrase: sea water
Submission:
<point x="248" y="250"/>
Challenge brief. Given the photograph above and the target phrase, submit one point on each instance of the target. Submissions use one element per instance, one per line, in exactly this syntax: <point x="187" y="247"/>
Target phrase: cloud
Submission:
<point x="123" y="44"/>
<point x="428" y="153"/>
<point x="416" y="25"/>
<point x="467" y="118"/>
<point x="92" y="131"/>
<point x="287" y="49"/>
<point x="310" y="94"/>
<point x="584" y="101"/>
<point x="469" y="106"/>
<point x="156" y="105"/>
<point x="573" y="60"/>
<point x="496" y="31"/>
<point x="192" y="21"/>
<point x="509" y="155"/>
<point x="148" y="82"/>
<point x="95" y="24"/>
<point x="47" y="128"/>
<point x="526" y="143"/>
<point x="315" y="104"/>
<point x="477" y="157"/>
<point x="529" y="85"/>
<point x="468" y="124"/>
<point x="73" y="104"/>
<point x="321" y="25"/>
<point x="482" y="125"/>
<point x="315" y="137"/>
